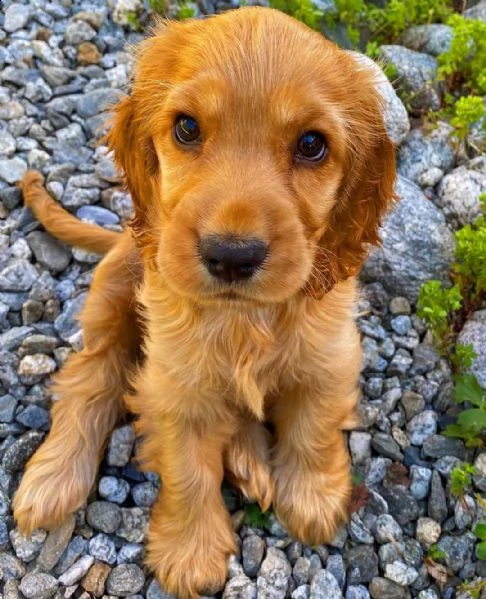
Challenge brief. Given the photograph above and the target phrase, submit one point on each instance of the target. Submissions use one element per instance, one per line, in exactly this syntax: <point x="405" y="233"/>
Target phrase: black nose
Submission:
<point x="232" y="258"/>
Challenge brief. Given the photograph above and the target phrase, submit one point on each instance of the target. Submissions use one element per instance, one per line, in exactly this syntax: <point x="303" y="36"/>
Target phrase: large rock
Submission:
<point x="459" y="191"/>
<point x="474" y="333"/>
<point x="394" y="112"/>
<point x="417" y="245"/>
<point x="476" y="12"/>
<point x="432" y="39"/>
<point x="424" y="157"/>
<point x="416" y="75"/>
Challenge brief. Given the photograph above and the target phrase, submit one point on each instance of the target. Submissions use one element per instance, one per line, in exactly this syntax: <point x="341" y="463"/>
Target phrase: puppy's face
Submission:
<point x="256" y="156"/>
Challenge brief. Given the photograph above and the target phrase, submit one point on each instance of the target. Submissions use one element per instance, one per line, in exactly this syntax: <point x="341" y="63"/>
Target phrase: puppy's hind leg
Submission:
<point x="89" y="392"/>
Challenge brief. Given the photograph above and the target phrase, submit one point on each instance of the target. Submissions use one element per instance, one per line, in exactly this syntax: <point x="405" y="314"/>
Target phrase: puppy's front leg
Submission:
<point x="311" y="462"/>
<point x="184" y="436"/>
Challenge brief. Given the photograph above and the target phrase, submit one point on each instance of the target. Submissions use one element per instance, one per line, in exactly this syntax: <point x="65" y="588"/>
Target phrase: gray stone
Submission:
<point x="94" y="102"/>
<point x="34" y="417"/>
<point x="55" y="544"/>
<point x="385" y="445"/>
<point x="12" y="169"/>
<point x="432" y="39"/>
<point x="464" y="512"/>
<point x="476" y="12"/>
<point x="387" y="529"/>
<point x="358" y="531"/>
<point x="33" y="366"/>
<point x="120" y="446"/>
<point x="382" y="588"/>
<point x="401" y="324"/>
<point x="252" y="552"/>
<point x="428" y="531"/>
<point x="421" y="426"/>
<point x="134" y="524"/>
<point x="8" y="406"/>
<point x="125" y="580"/>
<point x="19" y="275"/>
<point x="424" y="150"/>
<point x="11" y="339"/>
<point x="21" y="450"/>
<point x="7" y="144"/>
<point x="418" y="74"/>
<point x="49" y="251"/>
<point x="357" y="591"/>
<point x="144" y="494"/>
<point x="113" y="489"/>
<point x="103" y="548"/>
<point x="73" y="574"/>
<point x="16" y="17"/>
<point x="77" y="546"/>
<point x="78" y="32"/>
<point x="457" y="550"/>
<point x="474" y="333"/>
<point x="324" y="586"/>
<point x="10" y="566"/>
<point x="394" y="112"/>
<point x="401" y="503"/>
<point x="104" y="516"/>
<point x="417" y="245"/>
<point x="400" y="573"/>
<point x="437" y="446"/>
<point x="302" y="592"/>
<point x="130" y="553"/>
<point x="437" y="500"/>
<point x="239" y="587"/>
<point x="27" y="548"/>
<point x="420" y="481"/>
<point x="273" y="579"/>
<point x="38" y="586"/>
<point x="301" y="571"/>
<point x="97" y="214"/>
<point x="66" y="324"/>
<point x="459" y="191"/>
<point x="335" y="565"/>
<point x="362" y="564"/>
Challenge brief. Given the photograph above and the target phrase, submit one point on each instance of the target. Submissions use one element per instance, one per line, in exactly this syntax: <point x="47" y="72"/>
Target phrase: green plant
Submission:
<point x="471" y="422"/>
<point x="186" y="11"/>
<point x="461" y="482"/>
<point x="158" y="6"/>
<point x="480" y="532"/>
<point x="302" y="10"/>
<point x="133" y="21"/>
<point x="254" y="517"/>
<point x="463" y="65"/>
<point x="467" y="111"/>
<point x="434" y="553"/>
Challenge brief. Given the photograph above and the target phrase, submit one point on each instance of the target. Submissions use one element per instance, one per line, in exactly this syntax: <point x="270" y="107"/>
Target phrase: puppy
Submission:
<point x="257" y="159"/>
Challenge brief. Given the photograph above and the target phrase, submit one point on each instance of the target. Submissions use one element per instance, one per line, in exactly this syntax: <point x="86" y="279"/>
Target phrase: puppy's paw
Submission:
<point x="49" y="492"/>
<point x="312" y="505"/>
<point x="247" y="465"/>
<point x="190" y="558"/>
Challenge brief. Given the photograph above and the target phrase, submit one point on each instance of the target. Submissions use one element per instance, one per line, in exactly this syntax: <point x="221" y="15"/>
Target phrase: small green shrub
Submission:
<point x="185" y="11"/>
<point x="255" y="518"/>
<point x="461" y="479"/>
<point x="480" y="532"/>
<point x="463" y="66"/>
<point x="467" y="111"/>
<point x="158" y="6"/>
<point x="434" y="553"/>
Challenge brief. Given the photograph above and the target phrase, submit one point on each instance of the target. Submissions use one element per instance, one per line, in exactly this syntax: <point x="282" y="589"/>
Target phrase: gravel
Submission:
<point x="62" y="64"/>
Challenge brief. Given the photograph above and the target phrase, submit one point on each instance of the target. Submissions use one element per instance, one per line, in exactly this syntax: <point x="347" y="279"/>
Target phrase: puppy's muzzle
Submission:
<point x="231" y="258"/>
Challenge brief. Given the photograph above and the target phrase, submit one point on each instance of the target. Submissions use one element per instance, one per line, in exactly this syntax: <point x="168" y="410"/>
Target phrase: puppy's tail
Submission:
<point x="59" y="222"/>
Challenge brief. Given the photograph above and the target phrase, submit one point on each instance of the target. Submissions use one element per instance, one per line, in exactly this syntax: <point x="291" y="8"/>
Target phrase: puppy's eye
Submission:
<point x="187" y="130"/>
<point x="311" y="147"/>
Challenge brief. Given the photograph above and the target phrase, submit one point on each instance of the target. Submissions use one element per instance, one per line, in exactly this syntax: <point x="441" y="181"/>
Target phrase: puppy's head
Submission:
<point x="256" y="156"/>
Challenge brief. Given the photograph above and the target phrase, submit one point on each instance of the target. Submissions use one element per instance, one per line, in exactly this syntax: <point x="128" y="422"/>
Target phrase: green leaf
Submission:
<point x="474" y="420"/>
<point x="480" y="531"/>
<point x="455" y="431"/>
<point x="467" y="388"/>
<point x="481" y="551"/>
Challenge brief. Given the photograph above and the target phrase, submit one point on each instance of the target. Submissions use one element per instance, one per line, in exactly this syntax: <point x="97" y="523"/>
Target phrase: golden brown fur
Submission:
<point x="219" y="359"/>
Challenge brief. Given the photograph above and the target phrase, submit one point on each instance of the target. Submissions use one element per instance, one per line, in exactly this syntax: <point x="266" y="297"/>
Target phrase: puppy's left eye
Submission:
<point x="187" y="130"/>
<point x="311" y="147"/>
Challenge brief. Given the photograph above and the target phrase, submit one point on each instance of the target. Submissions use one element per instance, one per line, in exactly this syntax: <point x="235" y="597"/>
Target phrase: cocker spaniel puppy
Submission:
<point x="259" y="166"/>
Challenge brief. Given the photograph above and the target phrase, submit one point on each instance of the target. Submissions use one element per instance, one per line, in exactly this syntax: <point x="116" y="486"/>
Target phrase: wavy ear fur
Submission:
<point x="365" y="195"/>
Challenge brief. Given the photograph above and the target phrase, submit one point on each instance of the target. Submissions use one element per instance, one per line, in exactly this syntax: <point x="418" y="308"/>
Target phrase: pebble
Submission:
<point x="274" y="575"/>
<point x="113" y="489"/>
<point x="55" y="544"/>
<point x="422" y="426"/>
<point x="125" y="580"/>
<point x="437" y="501"/>
<point x="420" y="481"/>
<point x="38" y="586"/>
<point x="362" y="564"/>
<point x="387" y="529"/>
<point x="76" y="571"/>
<point x="120" y="446"/>
<point x="95" y="579"/>
<point x="133" y="525"/>
<point x="428" y="531"/>
<point x="324" y="586"/>
<point x="16" y="17"/>
<point x="130" y="553"/>
<point x="144" y="494"/>
<point x="252" y="552"/>
<point x="103" y="548"/>
<point x="27" y="548"/>
<point x="48" y="251"/>
<point x="238" y="587"/>
<point x="382" y="588"/>
<point x="104" y="516"/>
<point x="400" y="573"/>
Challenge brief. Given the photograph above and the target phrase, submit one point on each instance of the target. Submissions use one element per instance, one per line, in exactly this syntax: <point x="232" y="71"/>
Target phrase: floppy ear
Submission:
<point x="364" y="197"/>
<point x="135" y="156"/>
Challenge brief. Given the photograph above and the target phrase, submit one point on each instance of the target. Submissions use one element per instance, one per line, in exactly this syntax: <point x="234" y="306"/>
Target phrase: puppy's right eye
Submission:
<point x="186" y="130"/>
